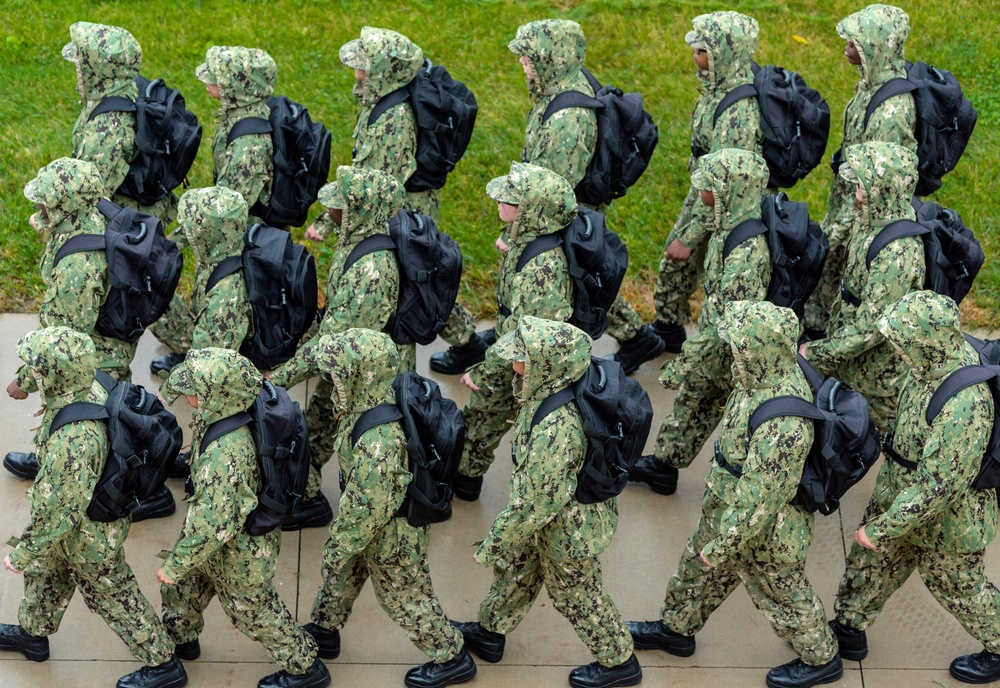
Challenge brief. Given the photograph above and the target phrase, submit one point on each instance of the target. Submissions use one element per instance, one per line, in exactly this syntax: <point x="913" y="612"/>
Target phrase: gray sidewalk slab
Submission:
<point x="911" y="645"/>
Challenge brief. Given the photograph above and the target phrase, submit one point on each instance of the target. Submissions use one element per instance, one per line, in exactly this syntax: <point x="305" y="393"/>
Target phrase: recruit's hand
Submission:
<point x="804" y="349"/>
<point x="861" y="537"/>
<point x="706" y="562"/>
<point x="162" y="577"/>
<point x="677" y="252"/>
<point x="467" y="381"/>
<point x="312" y="234"/>
<point x="10" y="567"/>
<point x="501" y="246"/>
<point x="15" y="392"/>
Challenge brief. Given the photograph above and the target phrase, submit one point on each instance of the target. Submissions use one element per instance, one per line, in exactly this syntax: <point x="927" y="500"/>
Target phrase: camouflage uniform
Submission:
<point x="929" y="518"/>
<point x="748" y="530"/>
<point x="701" y="373"/>
<point x="879" y="33"/>
<point x="856" y="352"/>
<point x="61" y="549"/>
<point x="542" y="288"/>
<point x="68" y="190"/>
<point x="108" y="59"/>
<point x="730" y="39"/>
<point x="213" y="221"/>
<point x="365" y="295"/>
<point x="544" y="536"/>
<point x="214" y="555"/>
<point x="369" y="539"/>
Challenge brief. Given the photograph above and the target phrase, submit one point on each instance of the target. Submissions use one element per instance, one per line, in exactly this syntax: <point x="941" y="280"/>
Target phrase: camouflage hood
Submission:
<point x="879" y="33"/>
<point x="367" y="197"/>
<point x="555" y="355"/>
<point x="224" y="382"/>
<point x="245" y="76"/>
<point x="730" y="39"/>
<point x="763" y="339"/>
<point x="887" y="173"/>
<point x="362" y="364"/>
<point x="545" y="201"/>
<point x="213" y="221"/>
<point x="390" y="59"/>
<point x="556" y="48"/>
<point x="737" y="178"/>
<point x="924" y="328"/>
<point x="108" y="57"/>
<point x="67" y="188"/>
<point x="62" y="362"/>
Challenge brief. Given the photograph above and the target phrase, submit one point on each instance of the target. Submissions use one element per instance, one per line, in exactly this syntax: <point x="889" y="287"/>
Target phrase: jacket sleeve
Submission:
<point x="694" y="222"/>
<point x="247" y="167"/>
<point x="565" y="143"/>
<point x="746" y="275"/>
<point x="108" y="141"/>
<point x="390" y="144"/>
<point x="76" y="292"/>
<point x="895" y="120"/>
<point x="225" y="320"/>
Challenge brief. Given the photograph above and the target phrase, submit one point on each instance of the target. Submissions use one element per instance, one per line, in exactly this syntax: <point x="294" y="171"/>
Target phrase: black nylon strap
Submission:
<point x="79" y="244"/>
<point x="812" y="375"/>
<point x="250" y="125"/>
<point x="375" y="242"/>
<point x="379" y="415"/>
<point x="227" y="267"/>
<point x="720" y="458"/>
<point x="848" y="296"/>
<point x="894" y="455"/>
<point x="112" y="104"/>
<point x="551" y="403"/>
<point x="390" y="100"/>
<point x="538" y="246"/>
<point x="77" y="411"/>
<point x="893" y="87"/>
<point x="570" y="99"/>
<point x="224" y="427"/>
<point x="784" y="406"/>
<point x="740" y="233"/>
<point x="955" y="383"/>
<point x="737" y="94"/>
<point x="108" y="209"/>
<point x="891" y="232"/>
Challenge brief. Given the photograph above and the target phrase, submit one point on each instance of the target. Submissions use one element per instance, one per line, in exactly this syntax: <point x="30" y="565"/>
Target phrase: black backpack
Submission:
<point x="845" y="444"/>
<point x="143" y="269"/>
<point x="794" y="120"/>
<point x="167" y="135"/>
<point x="281" y="285"/>
<point x="798" y="249"/>
<point x="952" y="253"/>
<point x="597" y="263"/>
<point x="144" y="439"/>
<point x="430" y="272"/>
<point x="435" y="435"/>
<point x="945" y="119"/>
<point x="626" y="138"/>
<point x="445" y="111"/>
<point x="617" y="417"/>
<point x="301" y="160"/>
<point x="278" y="426"/>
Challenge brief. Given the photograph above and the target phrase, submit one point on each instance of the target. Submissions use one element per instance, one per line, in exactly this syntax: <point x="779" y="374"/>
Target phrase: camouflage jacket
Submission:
<point x="763" y="339"/>
<point x="246" y="78"/>
<point x="365" y="295"/>
<point x="730" y="39"/>
<point x="934" y="505"/>
<point x="70" y="459"/>
<point x="226" y="475"/>
<point x="542" y="512"/>
<point x="879" y="32"/>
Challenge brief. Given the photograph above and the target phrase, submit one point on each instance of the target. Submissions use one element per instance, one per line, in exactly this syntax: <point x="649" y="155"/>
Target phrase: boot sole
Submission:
<point x="466" y="496"/>
<point x="657" y="487"/>
<point x="162" y="512"/>
<point x="965" y="678"/>
<point x="33" y="655"/>
<point x="627" y="681"/>
<point x="817" y="682"/>
<point x="856" y="655"/>
<point x="19" y="472"/>
<point x="675" y="651"/>
<point x="460" y="678"/>
<point x="491" y="656"/>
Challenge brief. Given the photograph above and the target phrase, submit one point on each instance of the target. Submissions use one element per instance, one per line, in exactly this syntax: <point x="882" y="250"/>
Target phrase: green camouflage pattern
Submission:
<point x="368" y="540"/>
<point x="748" y="530"/>
<point x="701" y="372"/>
<point x="929" y="518"/>
<point x="543" y="535"/>
<point x="61" y="549"/>
<point x="855" y="351"/>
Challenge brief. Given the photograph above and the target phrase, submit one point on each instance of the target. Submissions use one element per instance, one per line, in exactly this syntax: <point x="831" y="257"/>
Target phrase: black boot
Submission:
<point x="982" y="667"/>
<point x="312" y="513"/>
<point x="853" y="644"/>
<point x="467" y="488"/>
<point x="458" y="359"/>
<point x="458" y="669"/>
<point x="596" y="675"/>
<point x="487" y="644"/>
<point x="180" y="469"/>
<point x="489" y="337"/>
<point x="316" y="677"/>
<point x="645" y="346"/>
<point x="22" y="464"/>
<point x="159" y="506"/>
<point x="673" y="335"/>
<point x="167" y="675"/>
<point x="189" y="651"/>
<point x="162" y="365"/>
<point x="654" y="635"/>
<point x="658" y="475"/>
<point x="327" y="640"/>
<point x="34" y="647"/>
<point x="798" y="674"/>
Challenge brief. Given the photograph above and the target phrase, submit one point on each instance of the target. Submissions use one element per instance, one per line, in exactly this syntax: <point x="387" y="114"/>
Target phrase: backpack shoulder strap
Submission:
<point x="227" y="267"/>
<point x="891" y="232"/>
<point x="737" y="94"/>
<point x="784" y="406"/>
<point x="740" y="233"/>
<point x="570" y="99"/>
<point x="250" y="125"/>
<point x="105" y="380"/>
<point x="812" y="375"/>
<point x="375" y="242"/>
<point x="551" y="403"/>
<point x="383" y="413"/>
<point x="79" y="244"/>
<point x="893" y="87"/>
<point x="955" y="383"/>
<point x="388" y="101"/>
<point x="224" y="427"/>
<point x="108" y="209"/>
<point x="538" y="246"/>
<point x="112" y="104"/>
<point x="77" y="411"/>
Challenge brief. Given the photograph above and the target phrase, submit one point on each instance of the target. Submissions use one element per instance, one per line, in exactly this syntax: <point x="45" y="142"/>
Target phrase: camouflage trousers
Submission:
<point x="396" y="562"/>
<point x="956" y="580"/>
<point x="109" y="588"/>
<point x="820" y="304"/>
<point x="623" y="322"/>
<point x="577" y="591"/>
<point x="175" y="327"/>
<point x="677" y="280"/>
<point x="488" y="417"/>
<point x="779" y="590"/>
<point x="460" y="327"/>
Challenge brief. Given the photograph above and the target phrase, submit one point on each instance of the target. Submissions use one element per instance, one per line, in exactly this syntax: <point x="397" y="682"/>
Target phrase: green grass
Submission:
<point x="637" y="45"/>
